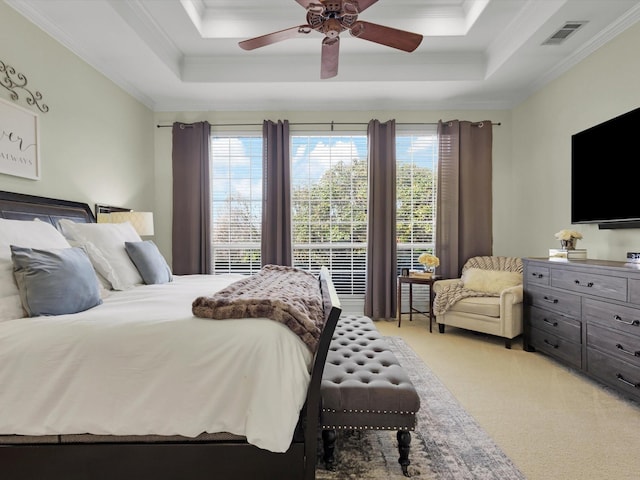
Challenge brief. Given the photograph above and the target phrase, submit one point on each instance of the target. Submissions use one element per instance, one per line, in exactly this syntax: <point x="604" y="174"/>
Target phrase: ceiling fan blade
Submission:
<point x="330" y="54"/>
<point x="364" y="4"/>
<point x="275" y="37"/>
<point x="306" y="3"/>
<point x="391" y="37"/>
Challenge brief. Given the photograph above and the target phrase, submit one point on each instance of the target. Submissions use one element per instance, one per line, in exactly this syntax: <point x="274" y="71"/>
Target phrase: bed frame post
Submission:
<point x="312" y="413"/>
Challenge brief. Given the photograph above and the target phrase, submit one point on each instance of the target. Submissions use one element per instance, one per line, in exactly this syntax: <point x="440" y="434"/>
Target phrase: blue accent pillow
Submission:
<point x="149" y="261"/>
<point x="55" y="282"/>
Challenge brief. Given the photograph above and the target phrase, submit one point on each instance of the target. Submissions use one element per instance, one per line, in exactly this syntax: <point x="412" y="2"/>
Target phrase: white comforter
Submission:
<point x="141" y="364"/>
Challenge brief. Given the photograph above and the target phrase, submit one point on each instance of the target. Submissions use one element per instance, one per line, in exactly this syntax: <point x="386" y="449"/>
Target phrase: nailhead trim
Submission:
<point x="366" y="427"/>
<point x="330" y="410"/>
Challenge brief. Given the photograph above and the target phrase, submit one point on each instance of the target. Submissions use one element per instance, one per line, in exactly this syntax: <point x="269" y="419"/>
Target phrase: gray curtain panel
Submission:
<point x="276" y="245"/>
<point x="464" y="201"/>
<point x="381" y="270"/>
<point x="191" y="199"/>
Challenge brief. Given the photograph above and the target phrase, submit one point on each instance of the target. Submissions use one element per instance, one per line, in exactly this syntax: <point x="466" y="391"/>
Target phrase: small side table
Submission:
<point x="419" y="281"/>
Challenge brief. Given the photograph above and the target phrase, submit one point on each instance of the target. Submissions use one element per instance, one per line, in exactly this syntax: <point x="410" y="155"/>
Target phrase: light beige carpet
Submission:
<point x="552" y="422"/>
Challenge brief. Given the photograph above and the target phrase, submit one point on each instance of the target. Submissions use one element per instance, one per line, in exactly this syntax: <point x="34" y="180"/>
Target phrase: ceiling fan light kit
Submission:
<point x="332" y="17"/>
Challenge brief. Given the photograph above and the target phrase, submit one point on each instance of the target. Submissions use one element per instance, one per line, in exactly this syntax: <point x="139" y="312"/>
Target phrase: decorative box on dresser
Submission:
<point x="586" y="314"/>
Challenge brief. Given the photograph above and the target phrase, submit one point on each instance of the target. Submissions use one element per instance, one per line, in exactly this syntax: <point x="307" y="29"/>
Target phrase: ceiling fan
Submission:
<point x="331" y="17"/>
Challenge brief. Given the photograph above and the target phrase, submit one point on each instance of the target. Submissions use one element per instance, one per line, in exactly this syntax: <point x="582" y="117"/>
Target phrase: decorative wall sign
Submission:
<point x="14" y="81"/>
<point x="19" y="141"/>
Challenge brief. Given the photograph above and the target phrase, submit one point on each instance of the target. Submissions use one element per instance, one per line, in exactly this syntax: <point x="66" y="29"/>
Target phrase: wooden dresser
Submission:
<point x="586" y="314"/>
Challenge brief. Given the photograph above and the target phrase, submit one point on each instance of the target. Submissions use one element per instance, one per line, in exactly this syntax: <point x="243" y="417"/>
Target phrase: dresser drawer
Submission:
<point x="615" y="344"/>
<point x="620" y="375"/>
<point x="586" y="314"/>
<point x="634" y="291"/>
<point x="561" y="302"/>
<point x="556" y="346"/>
<point x="556" y="324"/>
<point x="537" y="275"/>
<point x="626" y="319"/>
<point x="590" y="283"/>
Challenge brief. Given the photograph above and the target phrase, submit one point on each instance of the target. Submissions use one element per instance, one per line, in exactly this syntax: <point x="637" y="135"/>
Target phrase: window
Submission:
<point x="329" y="203"/>
<point x="329" y="198"/>
<point x="236" y="203"/>
<point x="417" y="159"/>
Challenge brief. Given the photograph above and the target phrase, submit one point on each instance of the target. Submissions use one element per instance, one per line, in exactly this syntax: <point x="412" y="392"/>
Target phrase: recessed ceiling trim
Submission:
<point x="529" y="20"/>
<point x="239" y="21"/>
<point x="135" y="14"/>
<point x="362" y="68"/>
<point x="630" y="18"/>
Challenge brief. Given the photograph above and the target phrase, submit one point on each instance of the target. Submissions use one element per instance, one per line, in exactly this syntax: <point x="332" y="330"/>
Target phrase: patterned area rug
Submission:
<point x="448" y="444"/>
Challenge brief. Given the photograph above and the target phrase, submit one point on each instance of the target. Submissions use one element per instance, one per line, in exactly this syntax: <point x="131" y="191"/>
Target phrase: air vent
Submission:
<point x="564" y="32"/>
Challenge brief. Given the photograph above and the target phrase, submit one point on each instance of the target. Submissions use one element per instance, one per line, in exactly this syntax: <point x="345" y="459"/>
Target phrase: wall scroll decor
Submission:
<point x="12" y="80"/>
<point x="19" y="145"/>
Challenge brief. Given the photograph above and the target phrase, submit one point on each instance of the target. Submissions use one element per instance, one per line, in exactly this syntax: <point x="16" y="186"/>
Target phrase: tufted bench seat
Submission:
<point x="365" y="388"/>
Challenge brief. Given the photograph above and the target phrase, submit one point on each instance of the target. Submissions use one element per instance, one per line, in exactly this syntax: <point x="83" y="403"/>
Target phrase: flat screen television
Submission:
<point x="603" y="185"/>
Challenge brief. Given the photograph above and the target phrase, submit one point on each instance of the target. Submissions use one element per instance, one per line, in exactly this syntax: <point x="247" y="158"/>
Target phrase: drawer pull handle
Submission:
<point x="588" y="284"/>
<point x="634" y="323"/>
<point x="633" y="354"/>
<point x="550" y="300"/>
<point x="550" y="344"/>
<point x="627" y="382"/>
<point x="537" y="275"/>
<point x="553" y="324"/>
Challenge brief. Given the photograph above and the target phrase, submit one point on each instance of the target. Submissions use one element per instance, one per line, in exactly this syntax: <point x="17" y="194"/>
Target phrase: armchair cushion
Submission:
<point x="490" y="281"/>
<point x="487" y="306"/>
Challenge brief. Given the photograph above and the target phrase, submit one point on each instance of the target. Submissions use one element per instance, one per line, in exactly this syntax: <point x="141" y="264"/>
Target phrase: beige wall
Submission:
<point x="602" y="86"/>
<point x="96" y="141"/>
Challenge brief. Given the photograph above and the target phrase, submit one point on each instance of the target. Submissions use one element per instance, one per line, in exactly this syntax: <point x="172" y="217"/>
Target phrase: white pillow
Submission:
<point x="105" y="273"/>
<point x="490" y="281"/>
<point x="32" y="234"/>
<point x="104" y="243"/>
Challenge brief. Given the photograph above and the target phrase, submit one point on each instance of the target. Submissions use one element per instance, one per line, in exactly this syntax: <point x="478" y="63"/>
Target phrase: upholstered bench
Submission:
<point x="365" y="388"/>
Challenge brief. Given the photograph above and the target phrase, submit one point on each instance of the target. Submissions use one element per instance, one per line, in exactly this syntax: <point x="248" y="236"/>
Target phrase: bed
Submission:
<point x="139" y="387"/>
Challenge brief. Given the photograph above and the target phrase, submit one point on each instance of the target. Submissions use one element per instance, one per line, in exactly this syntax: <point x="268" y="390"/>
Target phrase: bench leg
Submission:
<point x="329" y="445"/>
<point x="404" y="442"/>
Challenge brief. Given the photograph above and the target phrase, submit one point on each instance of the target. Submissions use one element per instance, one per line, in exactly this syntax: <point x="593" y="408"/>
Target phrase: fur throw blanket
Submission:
<point x="452" y="293"/>
<point x="285" y="294"/>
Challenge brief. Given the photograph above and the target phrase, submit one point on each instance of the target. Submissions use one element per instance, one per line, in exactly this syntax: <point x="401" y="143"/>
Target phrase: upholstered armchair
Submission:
<point x="487" y="298"/>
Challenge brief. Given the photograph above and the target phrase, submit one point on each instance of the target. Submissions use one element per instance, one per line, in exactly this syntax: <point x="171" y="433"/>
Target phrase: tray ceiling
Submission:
<point x="182" y="55"/>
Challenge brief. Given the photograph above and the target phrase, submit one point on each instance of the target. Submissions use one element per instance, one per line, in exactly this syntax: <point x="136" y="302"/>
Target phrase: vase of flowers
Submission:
<point x="429" y="262"/>
<point x="568" y="238"/>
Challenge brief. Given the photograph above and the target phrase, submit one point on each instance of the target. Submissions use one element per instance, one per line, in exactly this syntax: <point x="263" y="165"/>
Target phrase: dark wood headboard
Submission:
<point x="17" y="206"/>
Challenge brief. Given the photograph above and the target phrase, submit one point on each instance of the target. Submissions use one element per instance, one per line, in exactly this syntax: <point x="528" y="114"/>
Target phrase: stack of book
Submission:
<point x="420" y="274"/>
<point x="577" y="254"/>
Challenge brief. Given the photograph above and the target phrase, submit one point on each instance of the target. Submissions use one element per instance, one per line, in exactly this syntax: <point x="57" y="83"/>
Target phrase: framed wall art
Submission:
<point x="19" y="141"/>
